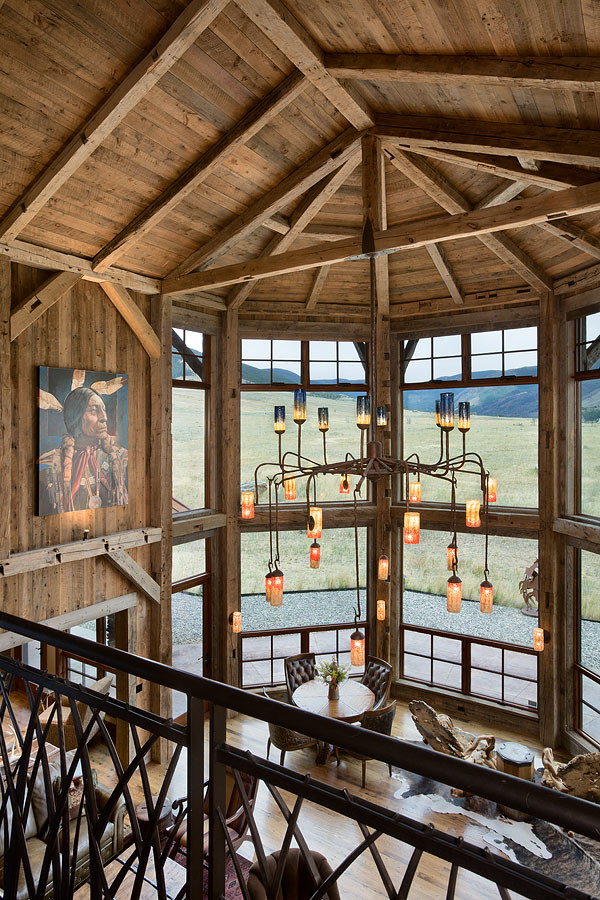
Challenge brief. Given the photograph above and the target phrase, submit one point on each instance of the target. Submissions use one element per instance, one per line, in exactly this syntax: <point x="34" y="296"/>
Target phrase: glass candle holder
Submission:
<point x="289" y="487"/>
<point x="299" y="406"/>
<point x="486" y="596"/>
<point x="323" y="414"/>
<point x="247" y="504"/>
<point x="464" y="416"/>
<point x="277" y="588"/>
<point x="268" y="586"/>
<point x="454" y="594"/>
<point x="363" y="411"/>
<point x="447" y="411"/>
<point x="383" y="567"/>
<point x="315" y="522"/>
<point x="279" y="419"/>
<point x="437" y="413"/>
<point x="412" y="527"/>
<point x="236" y="622"/>
<point x="344" y="484"/>
<point x="538" y="639"/>
<point x="315" y="555"/>
<point x="381" y="610"/>
<point x="451" y="556"/>
<point x="357" y="648"/>
<point x="381" y="416"/>
<point x="492" y="490"/>
<point x="414" y="493"/>
<point x="472" y="513"/>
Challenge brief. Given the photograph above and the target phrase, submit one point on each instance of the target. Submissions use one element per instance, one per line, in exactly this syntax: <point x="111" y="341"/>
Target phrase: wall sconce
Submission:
<point x="381" y="416"/>
<point x="412" y="527"/>
<point x="247" y="504"/>
<point x="357" y="648"/>
<point x="289" y="487"/>
<point x="447" y="411"/>
<point x="472" y="516"/>
<point x="315" y="555"/>
<point x="415" y="492"/>
<point x="540" y="639"/>
<point x="323" y="414"/>
<point x="383" y="568"/>
<point x="464" y="416"/>
<point x="235" y="620"/>
<point x="381" y="610"/>
<point x="315" y="522"/>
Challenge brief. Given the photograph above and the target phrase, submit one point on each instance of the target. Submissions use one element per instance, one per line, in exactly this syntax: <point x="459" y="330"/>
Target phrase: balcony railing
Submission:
<point x="126" y="869"/>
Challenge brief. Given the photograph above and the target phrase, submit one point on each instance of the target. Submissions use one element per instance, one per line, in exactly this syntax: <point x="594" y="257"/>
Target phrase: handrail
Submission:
<point x="541" y="802"/>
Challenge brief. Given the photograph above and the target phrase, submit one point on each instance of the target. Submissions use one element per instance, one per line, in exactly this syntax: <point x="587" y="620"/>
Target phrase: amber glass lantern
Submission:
<point x="454" y="593"/>
<point x="299" y="406"/>
<point x="383" y="568"/>
<point x="357" y="648"/>
<point x="381" y="610"/>
<point x="315" y="522"/>
<point x="236" y="622"/>
<point x="447" y="411"/>
<point x="437" y="413"/>
<point x="268" y="586"/>
<point x="277" y="588"/>
<point x="323" y="414"/>
<point x="451" y="556"/>
<point x="473" y="520"/>
<point x="381" y="416"/>
<point x="247" y="504"/>
<point x="486" y="596"/>
<point x="538" y="639"/>
<point x="289" y="487"/>
<point x="412" y="527"/>
<point x="363" y="411"/>
<point x="492" y="490"/>
<point x="315" y="555"/>
<point x="279" y="419"/>
<point x="344" y="484"/>
<point x="415" y="492"/>
<point x="464" y="416"/>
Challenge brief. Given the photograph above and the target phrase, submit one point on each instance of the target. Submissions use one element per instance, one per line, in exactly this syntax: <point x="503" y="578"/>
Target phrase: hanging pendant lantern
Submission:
<point x="438" y="420"/>
<point x="381" y="610"/>
<point x="383" y="568"/>
<point x="279" y="419"/>
<point x="323" y="418"/>
<point x="363" y="411"/>
<point x="454" y="593"/>
<point x="236" y="622"/>
<point x="289" y="487"/>
<point x="486" y="596"/>
<point x="464" y="416"/>
<point x="315" y="522"/>
<point x="472" y="517"/>
<point x="447" y="411"/>
<point x="381" y="416"/>
<point x="268" y="586"/>
<point x="344" y="484"/>
<point x="415" y="492"/>
<point x="315" y="555"/>
<point x="538" y="639"/>
<point x="451" y="556"/>
<point x="357" y="648"/>
<point x="247" y="504"/>
<point x="299" y="406"/>
<point x="412" y="527"/>
<point x="492" y="490"/>
<point x="277" y="588"/>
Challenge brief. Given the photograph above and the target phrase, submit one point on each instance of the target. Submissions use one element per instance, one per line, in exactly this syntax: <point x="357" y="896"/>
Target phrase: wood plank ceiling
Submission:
<point x="158" y="137"/>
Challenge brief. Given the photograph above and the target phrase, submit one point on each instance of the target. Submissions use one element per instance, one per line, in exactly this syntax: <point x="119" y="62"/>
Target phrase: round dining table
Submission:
<point x="355" y="699"/>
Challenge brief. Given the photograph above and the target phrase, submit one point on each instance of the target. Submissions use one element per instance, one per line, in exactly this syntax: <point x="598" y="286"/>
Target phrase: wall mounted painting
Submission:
<point x="83" y="437"/>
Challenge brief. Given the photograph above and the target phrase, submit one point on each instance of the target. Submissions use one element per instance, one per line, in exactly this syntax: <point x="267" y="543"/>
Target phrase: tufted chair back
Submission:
<point x="378" y="677"/>
<point x="299" y="669"/>
<point x="380" y="720"/>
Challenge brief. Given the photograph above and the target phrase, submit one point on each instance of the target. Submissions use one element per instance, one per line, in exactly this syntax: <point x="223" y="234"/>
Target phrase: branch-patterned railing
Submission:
<point x="123" y="858"/>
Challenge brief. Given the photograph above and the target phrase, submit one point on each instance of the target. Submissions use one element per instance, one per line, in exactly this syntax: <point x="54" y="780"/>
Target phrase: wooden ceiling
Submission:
<point x="154" y="138"/>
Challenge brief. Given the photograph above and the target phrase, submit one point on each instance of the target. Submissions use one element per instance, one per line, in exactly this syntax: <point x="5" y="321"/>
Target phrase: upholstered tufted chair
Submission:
<point x="378" y="677"/>
<point x="379" y="720"/>
<point x="299" y="669"/>
<point x="296" y="882"/>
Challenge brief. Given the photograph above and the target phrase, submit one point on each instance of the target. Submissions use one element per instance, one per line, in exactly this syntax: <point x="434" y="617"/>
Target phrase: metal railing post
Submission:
<point x="195" y="798"/>
<point x="217" y="800"/>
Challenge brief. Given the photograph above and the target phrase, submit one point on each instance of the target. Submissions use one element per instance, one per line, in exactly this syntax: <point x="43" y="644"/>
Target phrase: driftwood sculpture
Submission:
<point x="529" y="589"/>
<point x="580" y="776"/>
<point x="442" y="735"/>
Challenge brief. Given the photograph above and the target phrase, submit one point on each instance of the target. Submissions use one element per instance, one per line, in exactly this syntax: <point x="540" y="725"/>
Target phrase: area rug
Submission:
<point x="232" y="887"/>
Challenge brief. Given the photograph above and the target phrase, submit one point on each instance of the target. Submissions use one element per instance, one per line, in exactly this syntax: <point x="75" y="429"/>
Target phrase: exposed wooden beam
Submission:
<point x="314" y="200"/>
<point x="36" y="304"/>
<point x="565" y="145"/>
<point x="124" y="303"/>
<point x="422" y="318"/>
<point x="575" y="236"/>
<point x="531" y="165"/>
<point x="305" y="176"/>
<point x="438" y="257"/>
<point x="194" y="19"/>
<point x="127" y="566"/>
<point x="375" y="210"/>
<point x="579" y="73"/>
<point x="316" y="288"/>
<point x="286" y="32"/>
<point x="259" y="116"/>
<point x="502" y="194"/>
<point x="516" y="214"/>
<point x="5" y="407"/>
<point x="331" y="232"/>
<point x="579" y="282"/>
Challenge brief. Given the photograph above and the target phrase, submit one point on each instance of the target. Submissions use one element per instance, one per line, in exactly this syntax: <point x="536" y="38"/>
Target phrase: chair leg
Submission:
<point x="390" y="768"/>
<point x="282" y="757"/>
<point x="364" y="771"/>
<point x="337" y="755"/>
<point x="268" y="747"/>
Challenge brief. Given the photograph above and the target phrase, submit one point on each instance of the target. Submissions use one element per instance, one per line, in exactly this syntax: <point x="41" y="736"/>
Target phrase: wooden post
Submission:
<point x="5" y="407"/>
<point x="552" y="594"/>
<point x="125" y="639"/>
<point x="161" y="506"/>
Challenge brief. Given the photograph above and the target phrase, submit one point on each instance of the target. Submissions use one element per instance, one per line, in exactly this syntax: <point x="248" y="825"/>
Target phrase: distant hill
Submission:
<point x="519" y="400"/>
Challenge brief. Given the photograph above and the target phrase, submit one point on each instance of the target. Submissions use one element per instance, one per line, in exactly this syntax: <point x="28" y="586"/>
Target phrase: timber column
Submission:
<point x="5" y="407"/>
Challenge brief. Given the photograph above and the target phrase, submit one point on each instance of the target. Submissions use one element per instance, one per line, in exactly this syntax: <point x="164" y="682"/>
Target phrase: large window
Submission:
<point x="587" y="370"/>
<point x="191" y="378"/>
<point x="588" y="657"/>
<point x="191" y="597"/>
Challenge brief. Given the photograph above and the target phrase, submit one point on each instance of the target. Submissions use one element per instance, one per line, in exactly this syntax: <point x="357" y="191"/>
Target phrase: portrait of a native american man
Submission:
<point x="83" y="433"/>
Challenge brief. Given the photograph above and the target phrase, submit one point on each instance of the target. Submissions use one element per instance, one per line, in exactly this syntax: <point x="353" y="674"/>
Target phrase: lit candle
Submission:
<point x="383" y="567"/>
<point x="473" y="520"/>
<point x="279" y="419"/>
<point x="357" y="648"/>
<point x="451" y="555"/>
<point x="412" y="527"/>
<point x="315" y="522"/>
<point x="381" y="610"/>
<point x="277" y="588"/>
<point x="236" y="622"/>
<point x="538" y="639"/>
<point x="486" y="596"/>
<point x="415" y="492"/>
<point x="437" y="413"/>
<point x="315" y="555"/>
<point x="363" y="411"/>
<point x="299" y="406"/>
<point x="381" y="416"/>
<point x="247" y="504"/>
<point x="454" y="594"/>
<point x="464" y="416"/>
<point x="344" y="484"/>
<point x="323" y="414"/>
<point x="447" y="411"/>
<point x="289" y="487"/>
<point x="492" y="491"/>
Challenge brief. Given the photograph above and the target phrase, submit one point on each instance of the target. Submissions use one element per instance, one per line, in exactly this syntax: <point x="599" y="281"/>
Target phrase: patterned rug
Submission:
<point x="232" y="887"/>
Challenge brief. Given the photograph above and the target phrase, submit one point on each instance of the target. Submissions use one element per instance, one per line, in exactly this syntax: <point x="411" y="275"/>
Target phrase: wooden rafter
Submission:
<point x="516" y="214"/>
<point x="574" y="235"/>
<point x="36" y="304"/>
<point x="305" y="176"/>
<point x="440" y="261"/>
<point x="314" y="200"/>
<point x="127" y="566"/>
<point x="563" y="145"/>
<point x="375" y="210"/>
<point x="278" y="23"/>
<point x="126" y="306"/>
<point x="194" y="19"/>
<point x="259" y="116"/>
<point x="316" y="288"/>
<point x="579" y="73"/>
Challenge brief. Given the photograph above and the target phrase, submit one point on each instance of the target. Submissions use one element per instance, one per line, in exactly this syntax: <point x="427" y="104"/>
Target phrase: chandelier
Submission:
<point x="370" y="466"/>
